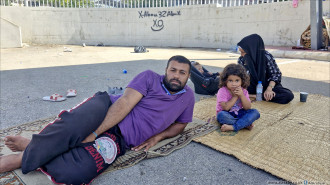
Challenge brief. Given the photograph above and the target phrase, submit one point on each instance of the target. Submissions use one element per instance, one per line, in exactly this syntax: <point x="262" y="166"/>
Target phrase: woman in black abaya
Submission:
<point x="261" y="66"/>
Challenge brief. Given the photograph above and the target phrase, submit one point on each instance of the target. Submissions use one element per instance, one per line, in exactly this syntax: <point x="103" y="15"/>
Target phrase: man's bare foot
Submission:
<point x="16" y="143"/>
<point x="10" y="162"/>
<point x="250" y="127"/>
<point x="225" y="128"/>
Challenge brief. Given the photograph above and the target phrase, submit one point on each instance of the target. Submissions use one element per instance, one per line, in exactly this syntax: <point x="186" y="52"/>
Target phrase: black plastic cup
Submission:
<point x="303" y="96"/>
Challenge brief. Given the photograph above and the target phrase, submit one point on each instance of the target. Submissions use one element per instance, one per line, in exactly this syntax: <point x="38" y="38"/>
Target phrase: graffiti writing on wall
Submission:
<point x="158" y="23"/>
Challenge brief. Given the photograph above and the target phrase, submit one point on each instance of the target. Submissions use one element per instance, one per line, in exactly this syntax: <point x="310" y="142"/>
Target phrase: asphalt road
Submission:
<point x="28" y="74"/>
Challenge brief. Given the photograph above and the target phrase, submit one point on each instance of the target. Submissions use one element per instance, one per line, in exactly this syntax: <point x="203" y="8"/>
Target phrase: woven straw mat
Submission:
<point x="289" y="141"/>
<point x="194" y="129"/>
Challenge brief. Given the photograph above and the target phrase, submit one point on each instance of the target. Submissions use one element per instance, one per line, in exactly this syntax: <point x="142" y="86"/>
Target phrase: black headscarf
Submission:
<point x="255" y="60"/>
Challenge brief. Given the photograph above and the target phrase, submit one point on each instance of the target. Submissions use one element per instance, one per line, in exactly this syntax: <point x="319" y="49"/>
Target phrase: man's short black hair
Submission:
<point x="180" y="59"/>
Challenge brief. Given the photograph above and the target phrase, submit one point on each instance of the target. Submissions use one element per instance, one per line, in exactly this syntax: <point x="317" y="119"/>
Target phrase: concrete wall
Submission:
<point x="10" y="35"/>
<point x="192" y="26"/>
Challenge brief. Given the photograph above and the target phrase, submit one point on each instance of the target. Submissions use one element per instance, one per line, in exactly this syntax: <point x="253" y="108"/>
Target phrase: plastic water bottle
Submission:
<point x="259" y="91"/>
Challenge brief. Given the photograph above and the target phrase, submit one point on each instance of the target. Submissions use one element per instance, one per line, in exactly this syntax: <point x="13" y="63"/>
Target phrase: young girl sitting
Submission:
<point x="233" y="102"/>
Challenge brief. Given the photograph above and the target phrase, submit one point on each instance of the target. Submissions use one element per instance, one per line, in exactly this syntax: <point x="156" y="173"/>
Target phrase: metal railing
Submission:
<point x="129" y="3"/>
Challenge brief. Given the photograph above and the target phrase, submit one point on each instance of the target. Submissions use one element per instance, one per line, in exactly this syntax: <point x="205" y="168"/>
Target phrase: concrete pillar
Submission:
<point x="316" y="24"/>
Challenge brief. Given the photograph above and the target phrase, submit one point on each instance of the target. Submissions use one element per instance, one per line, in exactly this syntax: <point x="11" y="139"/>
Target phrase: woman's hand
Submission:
<point x="269" y="94"/>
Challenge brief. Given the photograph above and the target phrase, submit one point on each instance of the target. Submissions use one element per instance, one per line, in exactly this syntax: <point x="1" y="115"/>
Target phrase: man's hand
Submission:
<point x="148" y="143"/>
<point x="269" y="94"/>
<point x="171" y="131"/>
<point x="89" y="138"/>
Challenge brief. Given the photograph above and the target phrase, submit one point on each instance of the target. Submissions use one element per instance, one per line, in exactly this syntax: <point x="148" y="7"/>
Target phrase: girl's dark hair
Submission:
<point x="237" y="70"/>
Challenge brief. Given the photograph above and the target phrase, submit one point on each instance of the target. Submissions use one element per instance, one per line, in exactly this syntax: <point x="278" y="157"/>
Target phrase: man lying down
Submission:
<point x="82" y="142"/>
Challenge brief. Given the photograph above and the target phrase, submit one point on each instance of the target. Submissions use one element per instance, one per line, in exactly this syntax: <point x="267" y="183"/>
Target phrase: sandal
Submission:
<point x="54" y="97"/>
<point x="71" y="93"/>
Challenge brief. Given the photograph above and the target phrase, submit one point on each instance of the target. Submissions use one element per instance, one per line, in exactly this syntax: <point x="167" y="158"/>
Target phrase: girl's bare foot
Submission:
<point x="225" y="128"/>
<point x="16" y="143"/>
<point x="250" y="127"/>
<point x="10" y="162"/>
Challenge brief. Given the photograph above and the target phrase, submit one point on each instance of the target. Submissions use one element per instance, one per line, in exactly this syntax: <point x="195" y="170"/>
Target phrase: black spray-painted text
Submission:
<point x="158" y="24"/>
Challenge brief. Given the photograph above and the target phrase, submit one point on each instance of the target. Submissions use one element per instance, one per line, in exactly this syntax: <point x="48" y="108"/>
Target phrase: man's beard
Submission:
<point x="173" y="87"/>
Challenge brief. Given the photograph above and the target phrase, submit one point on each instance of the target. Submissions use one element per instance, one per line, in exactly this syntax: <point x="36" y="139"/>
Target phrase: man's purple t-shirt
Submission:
<point x="156" y="111"/>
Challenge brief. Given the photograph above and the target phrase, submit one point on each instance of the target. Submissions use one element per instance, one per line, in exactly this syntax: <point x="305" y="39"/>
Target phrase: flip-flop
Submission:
<point x="54" y="97"/>
<point x="71" y="93"/>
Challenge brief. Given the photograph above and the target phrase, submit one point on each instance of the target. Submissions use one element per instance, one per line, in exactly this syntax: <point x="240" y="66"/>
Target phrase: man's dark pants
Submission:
<point x="57" y="150"/>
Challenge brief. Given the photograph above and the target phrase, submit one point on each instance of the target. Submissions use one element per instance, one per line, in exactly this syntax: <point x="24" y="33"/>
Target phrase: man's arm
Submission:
<point x="117" y="112"/>
<point x="171" y="131"/>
